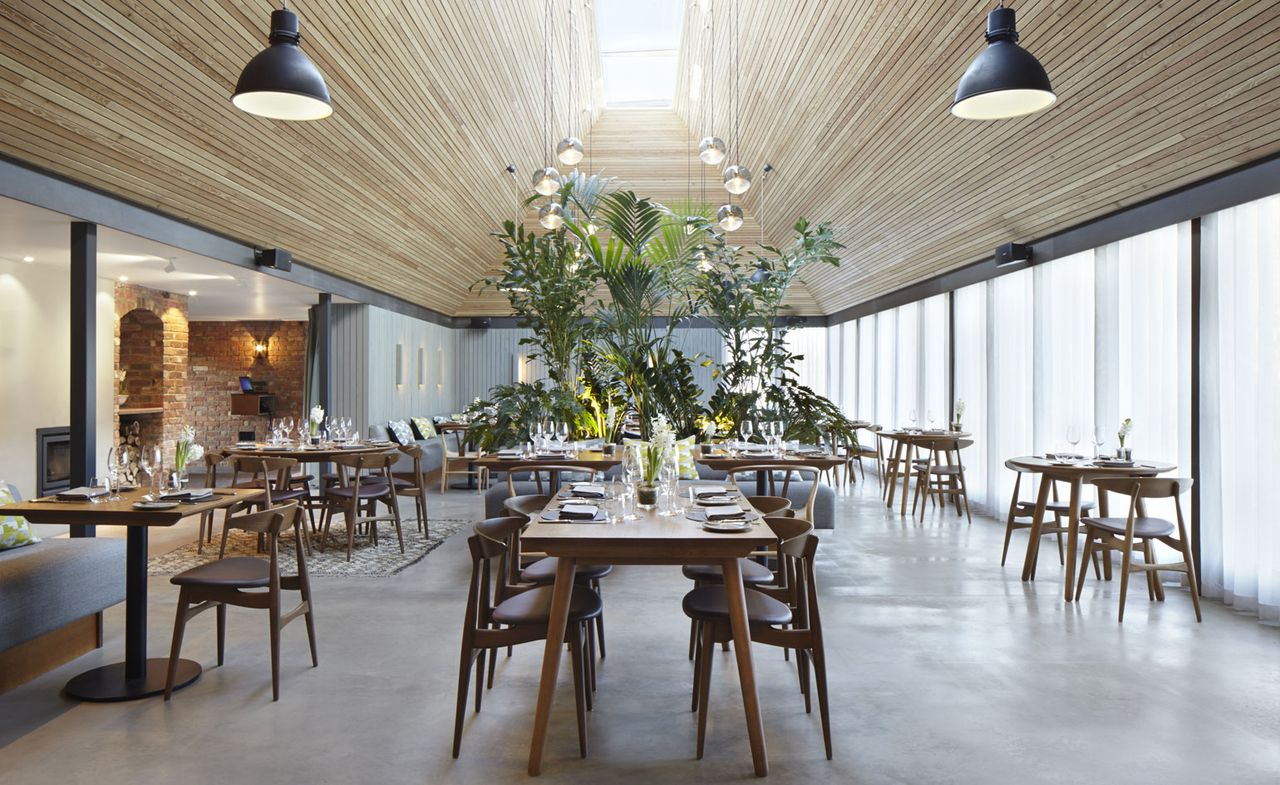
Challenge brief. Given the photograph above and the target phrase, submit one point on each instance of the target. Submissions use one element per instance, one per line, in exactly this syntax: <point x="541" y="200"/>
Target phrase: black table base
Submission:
<point x="109" y="684"/>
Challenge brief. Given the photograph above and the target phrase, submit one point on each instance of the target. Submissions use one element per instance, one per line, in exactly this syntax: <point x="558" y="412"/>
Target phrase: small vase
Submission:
<point x="1124" y="453"/>
<point x="955" y="426"/>
<point x="646" y="496"/>
<point x="315" y="441"/>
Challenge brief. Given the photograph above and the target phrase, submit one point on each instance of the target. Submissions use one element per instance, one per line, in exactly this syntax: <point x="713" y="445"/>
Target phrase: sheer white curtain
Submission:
<point x="971" y="387"/>
<point x="1010" y="379"/>
<point x="845" y="366"/>
<point x="1064" y="367"/>
<point x="867" y="369"/>
<point x="811" y="343"/>
<point x="935" y="371"/>
<point x="886" y="368"/>
<point x="1239" y="377"/>
<point x="907" y="362"/>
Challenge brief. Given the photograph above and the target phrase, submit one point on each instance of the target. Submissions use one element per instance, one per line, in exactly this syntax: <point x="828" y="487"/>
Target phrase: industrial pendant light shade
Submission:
<point x="546" y="181"/>
<point x="712" y="150"/>
<point x="281" y="82"/>
<point x="569" y="151"/>
<point x="1005" y="80"/>
<point x="551" y="216"/>
<point x="737" y="179"/>
<point x="729" y="217"/>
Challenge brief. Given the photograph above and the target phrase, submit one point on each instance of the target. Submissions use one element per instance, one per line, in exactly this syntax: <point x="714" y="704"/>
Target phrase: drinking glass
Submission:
<point x="562" y="432"/>
<point x="101" y="481"/>
<point x="932" y="418"/>
<point x="915" y="418"/>
<point x="748" y="430"/>
<point x="1073" y="436"/>
<point x="144" y="463"/>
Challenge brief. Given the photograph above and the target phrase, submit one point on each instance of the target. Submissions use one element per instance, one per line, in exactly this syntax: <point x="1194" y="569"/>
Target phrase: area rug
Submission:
<point x="367" y="560"/>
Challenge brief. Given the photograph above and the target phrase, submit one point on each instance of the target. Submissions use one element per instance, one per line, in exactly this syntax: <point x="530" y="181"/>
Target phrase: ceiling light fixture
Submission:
<point x="1005" y="80"/>
<point x="28" y="259"/>
<point x="712" y="150"/>
<point x="546" y="180"/>
<point x="280" y="82"/>
<point x="551" y="216"/>
<point x="172" y="266"/>
<point x="729" y="217"/>
<point x="123" y="279"/>
<point x="192" y="293"/>
<point x="737" y="178"/>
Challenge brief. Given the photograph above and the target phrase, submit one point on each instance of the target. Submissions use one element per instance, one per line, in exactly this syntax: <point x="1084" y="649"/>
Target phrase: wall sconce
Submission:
<point x="422" y="366"/>
<point x="399" y="365"/>
<point x="260" y="350"/>
<point x="439" y="369"/>
<point x="261" y="333"/>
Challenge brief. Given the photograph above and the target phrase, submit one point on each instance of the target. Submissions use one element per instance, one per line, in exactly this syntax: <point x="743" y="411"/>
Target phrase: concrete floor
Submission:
<point x="946" y="668"/>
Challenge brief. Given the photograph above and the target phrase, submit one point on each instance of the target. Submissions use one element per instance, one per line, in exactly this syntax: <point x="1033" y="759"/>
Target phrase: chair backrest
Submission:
<point x="212" y="458"/>
<point x="271" y="522"/>
<point x="771" y="470"/>
<point x="528" y="505"/>
<point x="797" y="548"/>
<point x="1145" y="487"/>
<point x="770" y="505"/>
<point x="415" y="452"/>
<point x="495" y="538"/>
<point x="265" y="467"/>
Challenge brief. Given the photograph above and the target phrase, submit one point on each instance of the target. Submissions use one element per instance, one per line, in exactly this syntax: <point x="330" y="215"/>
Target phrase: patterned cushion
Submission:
<point x="400" y="432"/>
<point x="684" y="455"/>
<point x="425" y="428"/>
<point x="14" y="531"/>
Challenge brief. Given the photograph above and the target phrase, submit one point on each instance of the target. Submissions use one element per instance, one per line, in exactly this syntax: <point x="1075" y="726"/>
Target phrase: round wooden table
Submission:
<point x="1076" y="473"/>
<point x="727" y="463"/>
<point x="904" y="451"/>
<point x="307" y="453"/>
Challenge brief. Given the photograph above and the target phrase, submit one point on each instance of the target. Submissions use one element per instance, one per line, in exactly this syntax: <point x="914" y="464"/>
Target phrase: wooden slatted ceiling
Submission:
<point x="850" y="101"/>
<point x="401" y="187"/>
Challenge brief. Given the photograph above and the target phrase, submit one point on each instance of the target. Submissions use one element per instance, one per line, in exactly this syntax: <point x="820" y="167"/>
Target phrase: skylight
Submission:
<point x="638" y="47"/>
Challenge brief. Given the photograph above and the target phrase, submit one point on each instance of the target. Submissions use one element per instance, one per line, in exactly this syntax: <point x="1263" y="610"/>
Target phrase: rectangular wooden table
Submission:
<point x="138" y="676"/>
<point x="652" y="539"/>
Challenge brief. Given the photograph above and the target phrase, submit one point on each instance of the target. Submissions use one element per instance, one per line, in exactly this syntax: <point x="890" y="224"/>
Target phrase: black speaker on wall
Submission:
<point x="1012" y="253"/>
<point x="275" y="258"/>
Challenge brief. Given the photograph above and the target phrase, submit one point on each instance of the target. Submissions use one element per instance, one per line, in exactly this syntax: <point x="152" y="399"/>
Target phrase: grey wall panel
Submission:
<point x="427" y="385"/>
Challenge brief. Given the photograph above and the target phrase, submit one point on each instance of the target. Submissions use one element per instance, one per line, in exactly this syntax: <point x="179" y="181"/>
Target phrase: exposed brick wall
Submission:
<point x="156" y="378"/>
<point x="222" y="352"/>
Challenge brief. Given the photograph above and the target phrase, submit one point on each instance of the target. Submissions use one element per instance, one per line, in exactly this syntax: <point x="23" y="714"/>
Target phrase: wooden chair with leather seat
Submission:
<point x="541" y="571"/>
<point x="941" y="474"/>
<point x="247" y="582"/>
<point x="500" y="614"/>
<point x="1122" y="534"/>
<point x="861" y="452"/>
<point x="775" y="487"/>
<point x="788" y="619"/>
<point x="414" y="486"/>
<point x="273" y="475"/>
<point x="359" y="494"/>
<point x="1021" y="516"/>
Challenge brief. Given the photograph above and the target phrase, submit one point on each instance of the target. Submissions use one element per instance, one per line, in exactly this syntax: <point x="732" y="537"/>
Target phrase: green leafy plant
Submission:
<point x="509" y="414"/>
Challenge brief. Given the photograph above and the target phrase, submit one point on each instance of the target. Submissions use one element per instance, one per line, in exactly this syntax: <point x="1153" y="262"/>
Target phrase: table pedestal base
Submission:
<point x="108" y="684"/>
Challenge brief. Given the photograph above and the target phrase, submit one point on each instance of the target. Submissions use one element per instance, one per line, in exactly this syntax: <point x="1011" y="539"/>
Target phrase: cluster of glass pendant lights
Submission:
<point x="1004" y="81"/>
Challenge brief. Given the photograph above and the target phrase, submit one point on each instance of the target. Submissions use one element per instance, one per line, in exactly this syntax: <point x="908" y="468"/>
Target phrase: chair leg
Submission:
<point x="595" y="584"/>
<point x="222" y="549"/>
<point x="1125" y="564"/>
<point x="1150" y="555"/>
<point x="222" y="631"/>
<point x="704" y="682"/>
<point x="175" y="648"/>
<point x="352" y="516"/>
<point x="579" y="689"/>
<point x="1084" y="563"/>
<point x="480" y="673"/>
<point x="590" y="663"/>
<point x="820" y="673"/>
<point x="493" y="666"/>
<point x="464" y="681"/>
<point x="693" y="638"/>
<point x="1008" y="533"/>
<point x="1191" y="580"/>
<point x="310" y="619"/>
<point x="274" y="615"/>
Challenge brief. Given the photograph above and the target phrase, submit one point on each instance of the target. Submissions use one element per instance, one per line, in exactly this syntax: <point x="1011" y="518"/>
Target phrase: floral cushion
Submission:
<point x="400" y="432"/>
<point x="14" y="531"/>
<point x="425" y="428"/>
<point x="684" y="455"/>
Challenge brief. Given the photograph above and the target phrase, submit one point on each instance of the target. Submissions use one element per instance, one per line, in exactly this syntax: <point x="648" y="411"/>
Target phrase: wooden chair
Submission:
<point x="1121" y="534"/>
<point x="360" y="491"/>
<point x="274" y="475"/>
<point x="499" y="615"/>
<point x="941" y="474"/>
<point x="416" y="485"/>
<point x="862" y="452"/>
<point x="786" y="617"/>
<point x="1021" y="516"/>
<point x="459" y="461"/>
<point x="770" y="506"/>
<point x="240" y="581"/>
<point x="771" y="471"/>
<point x="888" y="464"/>
<point x="212" y="459"/>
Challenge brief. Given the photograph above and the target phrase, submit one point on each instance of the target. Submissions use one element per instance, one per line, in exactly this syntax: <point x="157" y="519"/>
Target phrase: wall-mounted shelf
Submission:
<point x="141" y="411"/>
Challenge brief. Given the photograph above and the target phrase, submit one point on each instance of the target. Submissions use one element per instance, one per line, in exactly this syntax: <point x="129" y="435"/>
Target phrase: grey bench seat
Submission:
<point x="55" y="582"/>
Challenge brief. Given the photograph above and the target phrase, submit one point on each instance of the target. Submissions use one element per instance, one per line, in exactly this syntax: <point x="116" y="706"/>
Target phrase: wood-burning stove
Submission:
<point x="53" y="460"/>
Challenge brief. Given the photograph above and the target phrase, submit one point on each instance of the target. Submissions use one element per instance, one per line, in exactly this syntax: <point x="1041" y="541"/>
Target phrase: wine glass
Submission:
<point x="1098" y="439"/>
<point x="915" y="418"/>
<point x="562" y="432"/>
<point x="933" y="418"/>
<point x="748" y="430"/>
<point x="1073" y="436"/>
<point x="145" y="463"/>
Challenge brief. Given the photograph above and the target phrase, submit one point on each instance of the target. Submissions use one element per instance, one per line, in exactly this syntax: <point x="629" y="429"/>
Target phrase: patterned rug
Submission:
<point x="367" y="560"/>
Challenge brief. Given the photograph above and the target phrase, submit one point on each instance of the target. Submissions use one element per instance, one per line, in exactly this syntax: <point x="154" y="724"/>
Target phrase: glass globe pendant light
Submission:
<point x="546" y="180"/>
<point x="703" y="261"/>
<point x="281" y="82"/>
<point x="569" y="150"/>
<point x="712" y="150"/>
<point x="737" y="179"/>
<point x="1005" y="80"/>
<point x="729" y="217"/>
<point x="551" y="216"/>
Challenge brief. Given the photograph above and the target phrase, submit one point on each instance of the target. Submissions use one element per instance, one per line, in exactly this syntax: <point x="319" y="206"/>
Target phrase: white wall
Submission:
<point x="35" y="361"/>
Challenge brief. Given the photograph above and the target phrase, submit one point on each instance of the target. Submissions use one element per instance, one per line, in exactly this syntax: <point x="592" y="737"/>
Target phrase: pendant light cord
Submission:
<point x="546" y="79"/>
<point x="737" y="81"/>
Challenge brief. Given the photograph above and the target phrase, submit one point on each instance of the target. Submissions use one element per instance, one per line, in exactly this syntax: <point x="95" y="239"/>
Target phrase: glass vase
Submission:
<point x="646" y="496"/>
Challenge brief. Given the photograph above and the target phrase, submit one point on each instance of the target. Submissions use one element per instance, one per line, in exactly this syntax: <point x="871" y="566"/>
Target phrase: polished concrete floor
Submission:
<point x="945" y="668"/>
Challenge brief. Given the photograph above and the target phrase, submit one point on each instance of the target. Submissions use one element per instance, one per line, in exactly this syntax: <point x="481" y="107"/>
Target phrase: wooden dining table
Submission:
<point x="905" y="443"/>
<point x="138" y="676"/>
<point x="717" y="460"/>
<point x="593" y="460"/>
<point x="307" y="453"/>
<point x="1076" y="473"/>
<point x="651" y="539"/>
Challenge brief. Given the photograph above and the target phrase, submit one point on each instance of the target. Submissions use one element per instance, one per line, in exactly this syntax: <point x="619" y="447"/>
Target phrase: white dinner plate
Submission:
<point x="727" y="526"/>
<point x="154" y="505"/>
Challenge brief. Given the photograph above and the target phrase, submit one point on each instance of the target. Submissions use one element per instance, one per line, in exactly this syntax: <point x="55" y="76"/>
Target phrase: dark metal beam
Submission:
<point x="84" y="357"/>
<point x="324" y="351"/>
<point x="1195" y="400"/>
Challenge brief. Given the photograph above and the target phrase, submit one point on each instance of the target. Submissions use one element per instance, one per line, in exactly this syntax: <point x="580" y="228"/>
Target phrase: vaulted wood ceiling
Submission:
<point x="849" y="101"/>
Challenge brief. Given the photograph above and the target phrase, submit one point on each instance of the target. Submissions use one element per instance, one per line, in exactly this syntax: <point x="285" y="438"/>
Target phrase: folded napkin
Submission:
<point x="510" y="453"/>
<point x="188" y="495"/>
<point x="578" y="512"/>
<point x="587" y="490"/>
<point x="703" y="491"/>
<point x="722" y="512"/>
<point x="83" y="493"/>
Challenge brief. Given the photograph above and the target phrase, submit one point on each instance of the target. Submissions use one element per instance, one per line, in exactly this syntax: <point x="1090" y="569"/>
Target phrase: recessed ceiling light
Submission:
<point x="123" y="278"/>
<point x="28" y="259"/>
<point x="192" y="293"/>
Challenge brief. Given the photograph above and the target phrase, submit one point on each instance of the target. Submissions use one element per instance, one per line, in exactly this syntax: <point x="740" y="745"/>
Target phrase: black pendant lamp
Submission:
<point x="1005" y="80"/>
<point x="281" y="82"/>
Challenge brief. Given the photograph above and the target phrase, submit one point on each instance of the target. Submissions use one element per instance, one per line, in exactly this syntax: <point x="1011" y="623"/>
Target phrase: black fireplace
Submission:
<point x="53" y="460"/>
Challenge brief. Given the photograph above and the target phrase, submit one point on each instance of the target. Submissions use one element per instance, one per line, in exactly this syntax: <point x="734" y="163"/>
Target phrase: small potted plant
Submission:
<point x="1122" y="452"/>
<point x="185" y="451"/>
<point x="959" y="415"/>
<point x="313" y="422"/>
<point x="653" y="454"/>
